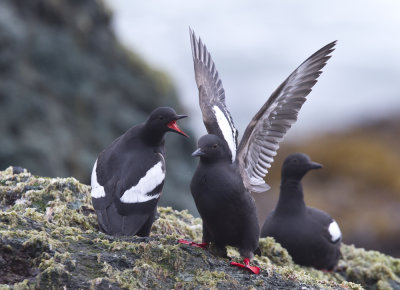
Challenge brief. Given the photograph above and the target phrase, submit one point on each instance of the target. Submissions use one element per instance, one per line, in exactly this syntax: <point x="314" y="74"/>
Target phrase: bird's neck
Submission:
<point x="156" y="140"/>
<point x="151" y="136"/>
<point x="291" y="198"/>
<point x="146" y="136"/>
<point x="214" y="162"/>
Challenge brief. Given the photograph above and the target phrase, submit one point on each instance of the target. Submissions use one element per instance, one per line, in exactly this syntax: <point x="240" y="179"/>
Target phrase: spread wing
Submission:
<point x="268" y="127"/>
<point x="216" y="117"/>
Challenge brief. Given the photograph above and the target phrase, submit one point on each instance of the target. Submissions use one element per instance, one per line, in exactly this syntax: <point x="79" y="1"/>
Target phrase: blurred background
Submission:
<point x="74" y="75"/>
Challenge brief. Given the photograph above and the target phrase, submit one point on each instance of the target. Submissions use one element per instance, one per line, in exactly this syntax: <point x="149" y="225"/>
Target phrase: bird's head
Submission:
<point x="163" y="119"/>
<point x="212" y="148"/>
<point x="297" y="165"/>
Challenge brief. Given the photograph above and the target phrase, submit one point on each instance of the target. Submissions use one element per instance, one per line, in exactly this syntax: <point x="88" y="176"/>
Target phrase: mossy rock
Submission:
<point x="49" y="238"/>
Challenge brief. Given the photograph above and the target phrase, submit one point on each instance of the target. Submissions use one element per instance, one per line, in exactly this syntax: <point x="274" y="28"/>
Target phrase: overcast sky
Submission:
<point x="257" y="44"/>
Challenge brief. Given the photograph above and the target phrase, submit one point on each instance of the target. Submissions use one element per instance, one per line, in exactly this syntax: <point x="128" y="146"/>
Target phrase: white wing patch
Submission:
<point x="334" y="231"/>
<point x="97" y="189"/>
<point x="226" y="128"/>
<point x="138" y="193"/>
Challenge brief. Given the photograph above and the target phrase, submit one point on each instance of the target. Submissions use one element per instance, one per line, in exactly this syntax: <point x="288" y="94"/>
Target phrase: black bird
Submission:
<point x="128" y="176"/>
<point x="249" y="162"/>
<point x="310" y="235"/>
<point x="226" y="207"/>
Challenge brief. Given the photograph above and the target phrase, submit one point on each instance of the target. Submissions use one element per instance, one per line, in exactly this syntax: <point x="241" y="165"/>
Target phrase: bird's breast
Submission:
<point x="199" y="183"/>
<point x="214" y="181"/>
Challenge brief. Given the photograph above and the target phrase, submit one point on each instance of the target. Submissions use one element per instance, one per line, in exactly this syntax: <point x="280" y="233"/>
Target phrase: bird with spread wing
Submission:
<point x="214" y="185"/>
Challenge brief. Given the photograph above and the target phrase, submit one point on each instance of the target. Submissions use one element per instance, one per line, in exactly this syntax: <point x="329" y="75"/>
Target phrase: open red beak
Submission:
<point x="172" y="125"/>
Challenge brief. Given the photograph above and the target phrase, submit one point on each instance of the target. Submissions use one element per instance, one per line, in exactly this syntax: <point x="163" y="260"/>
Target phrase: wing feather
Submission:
<point x="267" y="129"/>
<point x="216" y="117"/>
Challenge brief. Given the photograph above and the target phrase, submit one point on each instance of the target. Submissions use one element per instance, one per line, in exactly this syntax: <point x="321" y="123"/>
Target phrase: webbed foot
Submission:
<point x="190" y="243"/>
<point x="246" y="265"/>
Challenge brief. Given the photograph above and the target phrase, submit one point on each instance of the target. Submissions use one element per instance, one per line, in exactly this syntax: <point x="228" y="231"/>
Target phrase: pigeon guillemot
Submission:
<point x="310" y="235"/>
<point x="227" y="209"/>
<point x="128" y="176"/>
<point x="260" y="142"/>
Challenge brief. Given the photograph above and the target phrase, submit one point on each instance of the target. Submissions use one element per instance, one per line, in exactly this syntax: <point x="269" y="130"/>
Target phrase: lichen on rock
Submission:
<point x="49" y="238"/>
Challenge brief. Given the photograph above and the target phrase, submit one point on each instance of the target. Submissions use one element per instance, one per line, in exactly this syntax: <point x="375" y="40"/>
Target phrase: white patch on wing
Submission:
<point x="97" y="189"/>
<point x="138" y="193"/>
<point x="334" y="231"/>
<point x="226" y="129"/>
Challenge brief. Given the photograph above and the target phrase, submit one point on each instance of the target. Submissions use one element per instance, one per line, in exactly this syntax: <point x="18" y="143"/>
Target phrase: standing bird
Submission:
<point x="225" y="205"/>
<point x="128" y="176"/>
<point x="237" y="172"/>
<point x="310" y="235"/>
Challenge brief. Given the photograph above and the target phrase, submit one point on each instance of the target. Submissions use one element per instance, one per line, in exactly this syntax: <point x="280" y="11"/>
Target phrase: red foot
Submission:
<point x="200" y="245"/>
<point x="252" y="269"/>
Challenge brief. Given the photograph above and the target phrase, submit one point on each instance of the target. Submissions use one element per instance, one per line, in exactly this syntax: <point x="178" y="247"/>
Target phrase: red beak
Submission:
<point x="172" y="125"/>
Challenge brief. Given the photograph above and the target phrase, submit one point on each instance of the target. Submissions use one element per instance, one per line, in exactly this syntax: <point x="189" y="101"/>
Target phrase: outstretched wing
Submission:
<point x="266" y="130"/>
<point x="216" y="117"/>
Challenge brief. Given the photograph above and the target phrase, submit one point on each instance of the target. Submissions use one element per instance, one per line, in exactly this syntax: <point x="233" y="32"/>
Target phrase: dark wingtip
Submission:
<point x="323" y="53"/>
<point x="191" y="32"/>
<point x="193" y="42"/>
<point x="330" y="47"/>
<point x="333" y="45"/>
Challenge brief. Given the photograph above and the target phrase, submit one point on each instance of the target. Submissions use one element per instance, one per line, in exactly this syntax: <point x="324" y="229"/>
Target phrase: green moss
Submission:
<point x="53" y="277"/>
<point x="383" y="285"/>
<point x="369" y="267"/>
<point x="24" y="285"/>
<point x="63" y="247"/>
<point x="177" y="224"/>
<point x="274" y="251"/>
<point x="208" y="278"/>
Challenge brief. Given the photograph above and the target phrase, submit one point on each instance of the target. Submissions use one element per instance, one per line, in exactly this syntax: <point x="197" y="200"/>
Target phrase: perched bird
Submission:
<point x="310" y="235"/>
<point x="237" y="172"/>
<point x="226" y="207"/>
<point x="128" y="176"/>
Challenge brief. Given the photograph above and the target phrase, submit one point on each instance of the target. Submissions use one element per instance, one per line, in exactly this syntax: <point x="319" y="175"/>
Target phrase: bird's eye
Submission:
<point x="215" y="146"/>
<point x="161" y="117"/>
<point x="295" y="161"/>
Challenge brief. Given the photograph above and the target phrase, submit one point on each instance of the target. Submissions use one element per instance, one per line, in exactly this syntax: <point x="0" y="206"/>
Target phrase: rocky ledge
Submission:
<point x="49" y="238"/>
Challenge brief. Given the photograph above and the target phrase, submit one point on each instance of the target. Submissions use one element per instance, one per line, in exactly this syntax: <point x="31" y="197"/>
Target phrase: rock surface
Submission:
<point x="49" y="238"/>
<point x="68" y="88"/>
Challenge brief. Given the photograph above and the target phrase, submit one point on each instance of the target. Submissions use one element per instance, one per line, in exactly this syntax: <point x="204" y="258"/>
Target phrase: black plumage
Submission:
<point x="128" y="176"/>
<point x="244" y="165"/>
<point x="260" y="142"/>
<point x="310" y="235"/>
<point x="226" y="207"/>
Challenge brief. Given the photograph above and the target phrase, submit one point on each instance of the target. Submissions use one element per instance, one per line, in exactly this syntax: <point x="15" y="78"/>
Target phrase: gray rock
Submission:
<point x="68" y="88"/>
<point x="49" y="239"/>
